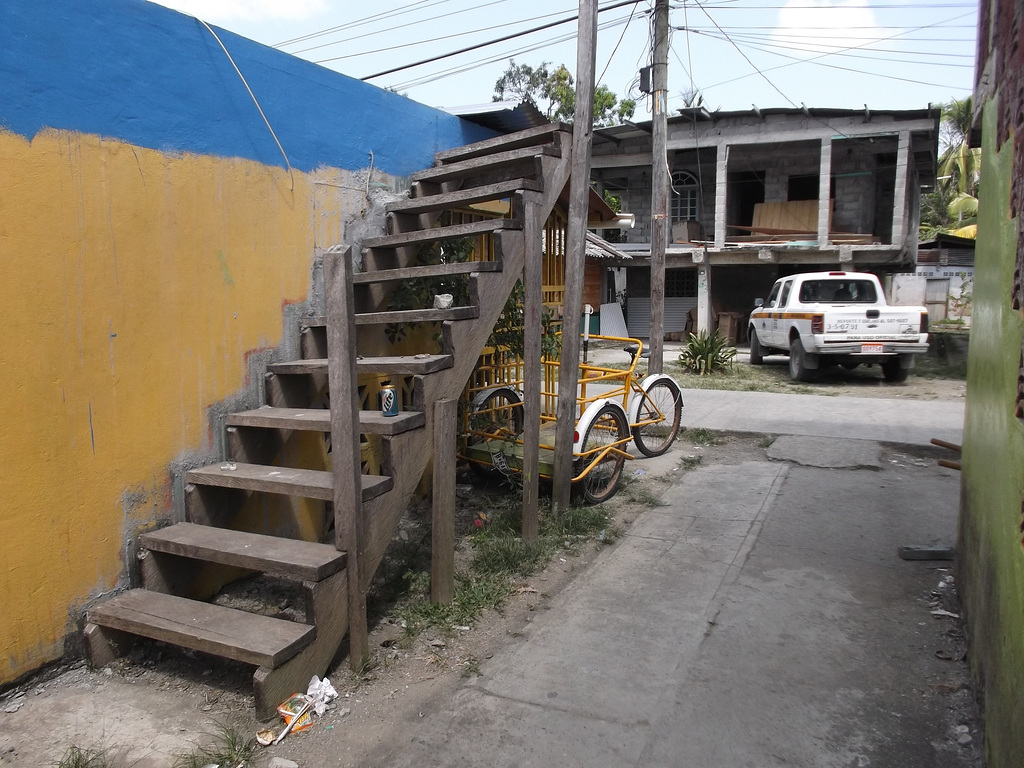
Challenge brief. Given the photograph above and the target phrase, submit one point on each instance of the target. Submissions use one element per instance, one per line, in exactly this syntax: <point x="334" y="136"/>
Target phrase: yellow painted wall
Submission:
<point x="134" y="284"/>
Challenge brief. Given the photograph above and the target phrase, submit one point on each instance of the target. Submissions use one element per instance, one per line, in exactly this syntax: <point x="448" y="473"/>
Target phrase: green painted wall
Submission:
<point x="990" y="557"/>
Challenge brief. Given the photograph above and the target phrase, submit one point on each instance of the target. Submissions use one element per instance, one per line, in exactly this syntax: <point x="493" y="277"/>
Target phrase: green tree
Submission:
<point x="953" y="207"/>
<point x="553" y="92"/>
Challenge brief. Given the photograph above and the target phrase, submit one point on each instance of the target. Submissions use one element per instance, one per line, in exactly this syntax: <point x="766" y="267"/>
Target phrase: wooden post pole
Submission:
<point x="660" y="224"/>
<point x="572" y="304"/>
<point x="533" y="299"/>
<point x="442" y="540"/>
<point x="349" y="525"/>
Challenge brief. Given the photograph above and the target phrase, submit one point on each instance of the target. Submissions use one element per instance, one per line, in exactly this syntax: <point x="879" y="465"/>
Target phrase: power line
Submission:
<point x="493" y="42"/>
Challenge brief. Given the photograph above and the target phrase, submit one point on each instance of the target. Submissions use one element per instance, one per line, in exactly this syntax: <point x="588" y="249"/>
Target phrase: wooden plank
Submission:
<point x="309" y="483"/>
<point x="329" y="614"/>
<point x="319" y="420"/>
<point x="433" y="270"/>
<point x="530" y="137"/>
<point x="376" y="423"/>
<point x="434" y="234"/>
<point x="442" y="536"/>
<point x="464" y="197"/>
<point x="213" y="629"/>
<point x="417" y="315"/>
<point x="461" y="169"/>
<point x="410" y="365"/>
<point x="533" y="308"/>
<point x="349" y="517"/>
<point x="291" y="558"/>
<point x="309" y="419"/>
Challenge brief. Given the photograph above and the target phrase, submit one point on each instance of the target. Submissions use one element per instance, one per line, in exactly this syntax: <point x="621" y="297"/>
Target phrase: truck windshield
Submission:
<point x="838" y="291"/>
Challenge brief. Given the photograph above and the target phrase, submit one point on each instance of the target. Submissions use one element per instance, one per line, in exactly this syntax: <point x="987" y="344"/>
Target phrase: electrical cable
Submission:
<point x="492" y="42"/>
<point x="255" y="101"/>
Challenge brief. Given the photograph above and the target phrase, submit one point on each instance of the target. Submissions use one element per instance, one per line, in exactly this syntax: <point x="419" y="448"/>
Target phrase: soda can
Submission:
<point x="388" y="400"/>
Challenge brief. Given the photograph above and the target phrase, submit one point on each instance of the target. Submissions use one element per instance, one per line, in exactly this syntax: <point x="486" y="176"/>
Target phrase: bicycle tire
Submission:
<point x="664" y="399"/>
<point x="499" y="416"/>
<point x="602" y="481"/>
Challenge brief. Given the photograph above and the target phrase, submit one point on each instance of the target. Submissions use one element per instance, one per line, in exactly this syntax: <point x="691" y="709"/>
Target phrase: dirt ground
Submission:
<point x="148" y="709"/>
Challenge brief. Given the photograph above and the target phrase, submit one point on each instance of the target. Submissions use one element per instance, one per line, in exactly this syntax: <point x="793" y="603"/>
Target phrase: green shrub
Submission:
<point x="705" y="355"/>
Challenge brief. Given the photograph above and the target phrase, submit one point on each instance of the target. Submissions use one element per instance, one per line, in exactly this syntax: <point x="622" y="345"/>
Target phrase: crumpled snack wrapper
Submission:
<point x="290" y="707"/>
<point x="322" y="693"/>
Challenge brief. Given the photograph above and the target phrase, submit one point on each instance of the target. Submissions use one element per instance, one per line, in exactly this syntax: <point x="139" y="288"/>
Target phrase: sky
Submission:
<point x="886" y="54"/>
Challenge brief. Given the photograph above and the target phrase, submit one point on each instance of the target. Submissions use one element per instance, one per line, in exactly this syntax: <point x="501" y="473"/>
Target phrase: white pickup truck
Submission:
<point x="822" y="318"/>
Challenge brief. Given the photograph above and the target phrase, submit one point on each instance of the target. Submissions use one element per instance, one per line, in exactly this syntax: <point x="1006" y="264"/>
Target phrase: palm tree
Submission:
<point x="953" y="207"/>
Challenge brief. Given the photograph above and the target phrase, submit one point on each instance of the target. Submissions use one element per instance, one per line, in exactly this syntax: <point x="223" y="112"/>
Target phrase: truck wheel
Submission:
<point x="798" y="370"/>
<point x="893" y="372"/>
<point x="756" y="355"/>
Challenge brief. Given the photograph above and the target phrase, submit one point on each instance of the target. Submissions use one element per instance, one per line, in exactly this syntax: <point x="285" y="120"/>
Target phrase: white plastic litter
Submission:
<point x="322" y="693"/>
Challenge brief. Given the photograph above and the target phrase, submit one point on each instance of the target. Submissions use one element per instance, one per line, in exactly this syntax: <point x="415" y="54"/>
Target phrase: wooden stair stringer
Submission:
<point x="327" y="607"/>
<point x="383" y="513"/>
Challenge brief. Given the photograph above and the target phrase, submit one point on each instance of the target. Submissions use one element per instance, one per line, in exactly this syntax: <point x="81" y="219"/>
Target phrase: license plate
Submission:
<point x="871" y="349"/>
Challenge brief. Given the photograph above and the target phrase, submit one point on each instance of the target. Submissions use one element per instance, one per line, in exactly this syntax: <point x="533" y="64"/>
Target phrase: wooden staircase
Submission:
<point x="186" y="564"/>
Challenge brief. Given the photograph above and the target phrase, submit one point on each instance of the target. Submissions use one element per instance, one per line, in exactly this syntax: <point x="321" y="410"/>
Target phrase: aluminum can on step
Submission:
<point x="388" y="400"/>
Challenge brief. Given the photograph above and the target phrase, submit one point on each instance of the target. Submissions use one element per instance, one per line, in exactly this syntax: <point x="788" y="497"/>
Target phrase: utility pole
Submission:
<point x="576" y="244"/>
<point x="660" y="223"/>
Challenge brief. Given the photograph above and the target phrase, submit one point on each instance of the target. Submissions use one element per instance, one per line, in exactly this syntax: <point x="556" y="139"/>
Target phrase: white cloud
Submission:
<point x="221" y="11"/>
<point x="824" y="26"/>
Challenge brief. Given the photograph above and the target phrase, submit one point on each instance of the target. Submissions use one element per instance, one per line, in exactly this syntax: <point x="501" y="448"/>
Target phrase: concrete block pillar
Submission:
<point x="899" y="205"/>
<point x="721" y="185"/>
<point x="824" y="191"/>
<point x="705" y="321"/>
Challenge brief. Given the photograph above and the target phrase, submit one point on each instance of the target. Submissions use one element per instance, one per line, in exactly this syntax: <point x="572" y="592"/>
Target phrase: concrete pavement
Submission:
<point x="912" y="422"/>
<point x="759" y="618"/>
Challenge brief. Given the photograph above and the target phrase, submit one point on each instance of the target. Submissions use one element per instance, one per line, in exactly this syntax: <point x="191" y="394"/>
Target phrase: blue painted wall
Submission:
<point x="156" y="78"/>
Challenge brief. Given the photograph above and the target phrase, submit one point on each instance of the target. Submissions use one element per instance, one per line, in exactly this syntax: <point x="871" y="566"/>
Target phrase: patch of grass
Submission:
<point x="229" y="748"/>
<point x="78" y="757"/>
<point x="511" y="554"/>
<point x="692" y="462"/>
<point x="742" y="378"/>
<point x="640" y="493"/>
<point x="702" y="436"/>
<point x="470" y="667"/>
<point x="474" y="594"/>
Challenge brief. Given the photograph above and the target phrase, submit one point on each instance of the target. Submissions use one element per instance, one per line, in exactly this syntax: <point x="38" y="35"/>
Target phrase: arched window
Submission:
<point x="685" y="197"/>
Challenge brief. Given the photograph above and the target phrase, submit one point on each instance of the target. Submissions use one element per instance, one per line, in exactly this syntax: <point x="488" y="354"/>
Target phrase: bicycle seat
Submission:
<point x="631" y="349"/>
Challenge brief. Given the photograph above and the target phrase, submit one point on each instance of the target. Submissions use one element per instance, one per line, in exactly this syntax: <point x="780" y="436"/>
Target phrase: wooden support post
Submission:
<point x="533" y="373"/>
<point x="572" y="306"/>
<point x="349" y="524"/>
<point x="442" y="540"/>
<point x="660" y="224"/>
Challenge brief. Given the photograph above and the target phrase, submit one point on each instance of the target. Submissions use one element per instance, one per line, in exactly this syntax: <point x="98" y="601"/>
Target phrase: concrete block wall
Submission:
<point x="155" y="247"/>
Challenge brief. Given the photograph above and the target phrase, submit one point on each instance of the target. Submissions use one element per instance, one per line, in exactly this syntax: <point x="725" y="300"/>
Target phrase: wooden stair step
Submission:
<point x="531" y="137"/>
<point x="417" y="315"/>
<point x="376" y="423"/>
<point x="227" y="632"/>
<point x="308" y="483"/>
<point x="308" y="419"/>
<point x="457" y="169"/>
<point x="430" y="270"/>
<point x="291" y="558"/>
<point x="408" y="365"/>
<point x="433" y="234"/>
<point x="463" y="197"/>
<point x="319" y="420"/>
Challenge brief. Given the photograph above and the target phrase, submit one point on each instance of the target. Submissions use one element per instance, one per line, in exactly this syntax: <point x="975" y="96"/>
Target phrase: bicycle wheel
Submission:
<point x="658" y="418"/>
<point x="602" y="481"/>
<point x="498" y="417"/>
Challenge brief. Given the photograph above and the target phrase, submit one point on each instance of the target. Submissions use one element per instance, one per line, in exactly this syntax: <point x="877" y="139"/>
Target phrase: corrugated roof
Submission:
<point x="502" y="116"/>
